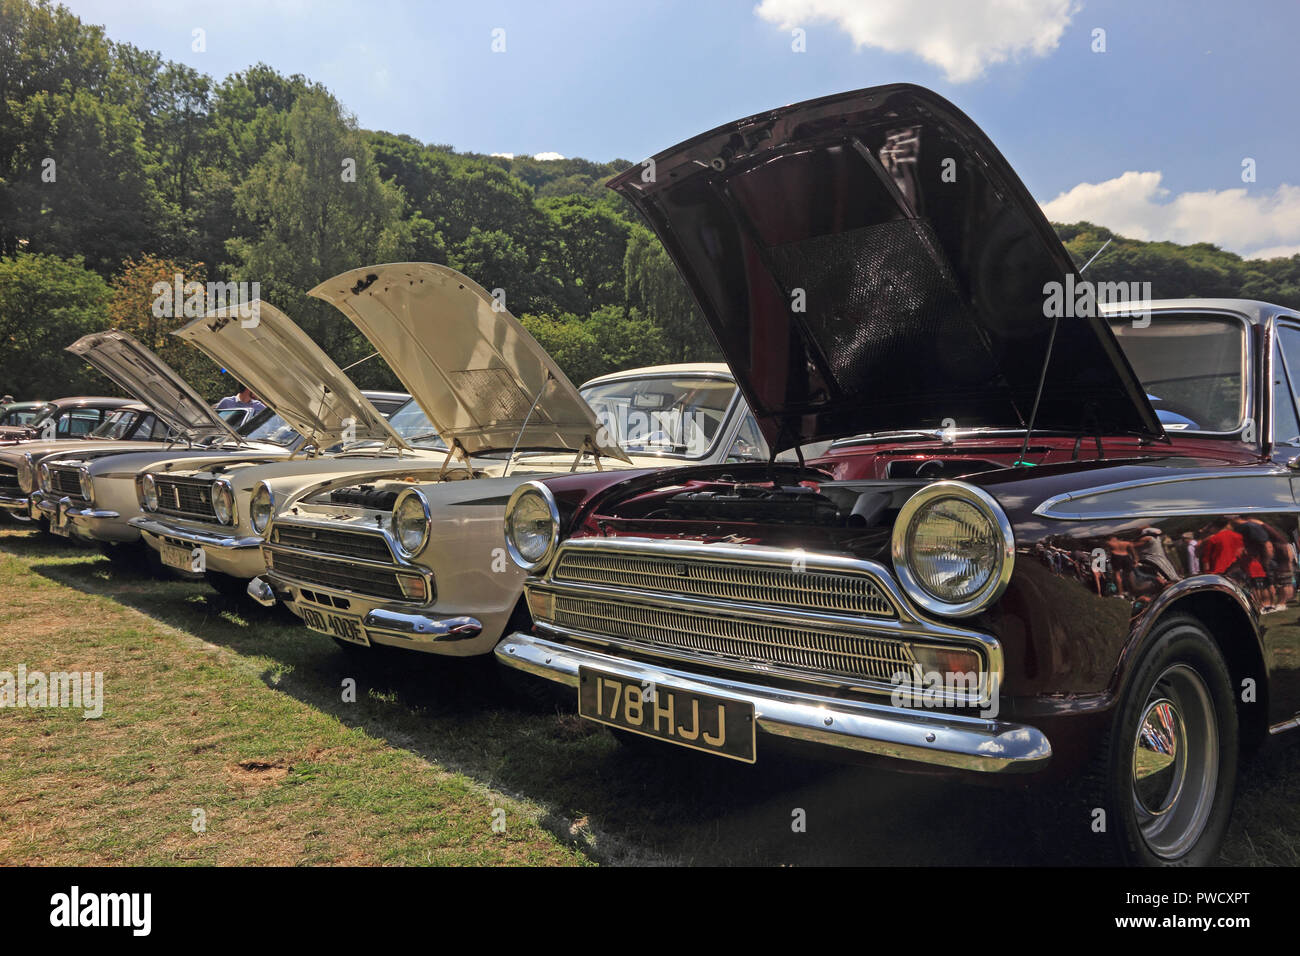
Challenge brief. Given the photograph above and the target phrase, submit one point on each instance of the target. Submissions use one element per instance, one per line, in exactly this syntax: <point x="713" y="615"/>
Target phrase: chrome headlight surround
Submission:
<point x="530" y="495"/>
<point x="87" y="484"/>
<point x="44" y="473"/>
<point x="26" y="474"/>
<point x="411" y="505"/>
<point x="262" y="497"/>
<point x="148" y="492"/>
<point x="915" y="510"/>
<point x="223" y="496"/>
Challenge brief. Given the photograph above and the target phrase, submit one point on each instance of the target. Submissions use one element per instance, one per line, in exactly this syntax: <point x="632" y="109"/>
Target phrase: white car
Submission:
<point x="415" y="560"/>
<point x="93" y="498"/>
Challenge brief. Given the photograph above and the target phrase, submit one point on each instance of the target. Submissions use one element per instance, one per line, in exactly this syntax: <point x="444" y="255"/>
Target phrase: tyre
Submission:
<point x="1166" y="773"/>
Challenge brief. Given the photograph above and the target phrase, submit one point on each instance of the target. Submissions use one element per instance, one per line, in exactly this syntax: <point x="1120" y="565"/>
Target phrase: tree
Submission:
<point x="132" y="310"/>
<point x="46" y="304"/>
<point x="656" y="288"/>
<point x="316" y="206"/>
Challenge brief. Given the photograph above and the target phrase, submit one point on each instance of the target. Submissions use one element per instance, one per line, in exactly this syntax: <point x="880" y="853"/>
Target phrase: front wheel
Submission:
<point x="1167" y="773"/>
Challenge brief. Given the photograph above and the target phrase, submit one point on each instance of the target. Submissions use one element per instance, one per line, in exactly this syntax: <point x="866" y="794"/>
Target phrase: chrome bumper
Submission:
<point x="205" y="539"/>
<point x="943" y="739"/>
<point x="402" y="626"/>
<point x="238" y="557"/>
<point x="21" y="504"/>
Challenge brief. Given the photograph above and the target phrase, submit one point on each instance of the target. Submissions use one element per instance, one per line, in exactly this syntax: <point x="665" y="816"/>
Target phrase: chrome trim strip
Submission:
<point x="967" y="743"/>
<point x="1285" y="725"/>
<point x="1050" y="508"/>
<point x="153" y="526"/>
<point x="421" y="626"/>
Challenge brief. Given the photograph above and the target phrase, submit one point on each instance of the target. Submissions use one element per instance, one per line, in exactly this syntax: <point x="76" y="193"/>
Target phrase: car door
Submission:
<point x="1281" y="627"/>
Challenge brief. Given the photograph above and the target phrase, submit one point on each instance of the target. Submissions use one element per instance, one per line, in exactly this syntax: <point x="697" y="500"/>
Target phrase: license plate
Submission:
<point x="716" y="725"/>
<point x="60" y="525"/>
<point x="336" y="625"/>
<point x="175" y="556"/>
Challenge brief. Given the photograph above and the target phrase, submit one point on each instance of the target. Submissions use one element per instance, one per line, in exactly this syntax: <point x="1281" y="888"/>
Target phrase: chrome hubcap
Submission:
<point x="1175" y="762"/>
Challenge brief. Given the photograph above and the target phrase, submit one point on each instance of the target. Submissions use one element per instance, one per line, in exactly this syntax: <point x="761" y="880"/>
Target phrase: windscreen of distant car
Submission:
<point x="672" y="416"/>
<point x="119" y="423"/>
<point x="1192" y="366"/>
<point x="414" y="426"/>
<point x="269" y="427"/>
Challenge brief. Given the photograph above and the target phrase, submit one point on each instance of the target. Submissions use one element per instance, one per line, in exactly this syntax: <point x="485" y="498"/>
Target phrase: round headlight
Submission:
<point x="149" y="493"/>
<point x="411" y="522"/>
<point x="532" y="525"/>
<point x="223" y="502"/>
<point x="44" y="472"/>
<point x="87" y="485"/>
<point x="26" y="474"/>
<point x="260" y="508"/>
<point x="953" y="548"/>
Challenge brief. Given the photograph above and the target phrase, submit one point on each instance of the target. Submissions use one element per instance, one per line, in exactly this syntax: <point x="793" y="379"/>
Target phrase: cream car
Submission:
<point x="95" y="498"/>
<point x="205" y="516"/>
<point x="416" y="561"/>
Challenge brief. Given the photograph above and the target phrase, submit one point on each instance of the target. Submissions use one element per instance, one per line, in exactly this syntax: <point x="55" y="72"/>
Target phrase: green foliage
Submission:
<point x="46" y="303"/>
<point x="1177" y="272"/>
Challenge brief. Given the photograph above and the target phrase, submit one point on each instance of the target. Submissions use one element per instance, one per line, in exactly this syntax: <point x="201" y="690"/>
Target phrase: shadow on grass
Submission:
<point x="619" y="804"/>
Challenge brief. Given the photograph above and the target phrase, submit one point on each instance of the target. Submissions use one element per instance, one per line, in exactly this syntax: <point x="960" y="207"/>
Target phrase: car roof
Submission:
<point x="102" y="401"/>
<point x="702" y="369"/>
<point x="1253" y="310"/>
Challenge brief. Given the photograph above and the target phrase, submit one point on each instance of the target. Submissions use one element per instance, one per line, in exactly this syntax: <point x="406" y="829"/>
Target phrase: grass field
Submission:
<point x="239" y="713"/>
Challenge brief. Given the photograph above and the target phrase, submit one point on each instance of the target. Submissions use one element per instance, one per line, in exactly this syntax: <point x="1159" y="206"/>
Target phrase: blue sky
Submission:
<point x="1147" y="137"/>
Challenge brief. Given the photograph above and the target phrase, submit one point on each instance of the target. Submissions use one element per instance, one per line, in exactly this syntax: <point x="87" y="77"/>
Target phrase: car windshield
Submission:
<point x="44" y="413"/>
<point x="1192" y="367"/>
<point x="269" y="427"/>
<point x="675" y="416"/>
<point x="117" y="424"/>
<point x="414" y="426"/>
<point x="20" y="415"/>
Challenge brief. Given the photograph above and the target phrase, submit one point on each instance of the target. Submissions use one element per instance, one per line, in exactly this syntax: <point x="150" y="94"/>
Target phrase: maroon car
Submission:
<point x="1049" y="545"/>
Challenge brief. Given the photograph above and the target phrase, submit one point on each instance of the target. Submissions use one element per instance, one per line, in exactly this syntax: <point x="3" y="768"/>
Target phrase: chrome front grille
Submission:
<point x="344" y="544"/>
<point x="186" y="497"/>
<point x="340" y="575"/>
<point x="8" y="476"/>
<point x="796" y="645"/>
<point x="65" y="481"/>
<point x="813" y="590"/>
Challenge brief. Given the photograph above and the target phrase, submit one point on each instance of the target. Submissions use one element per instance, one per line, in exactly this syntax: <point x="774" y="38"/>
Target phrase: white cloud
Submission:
<point x="547" y="156"/>
<point x="503" y="155"/>
<point x="1135" y="204"/>
<point x="961" y="37"/>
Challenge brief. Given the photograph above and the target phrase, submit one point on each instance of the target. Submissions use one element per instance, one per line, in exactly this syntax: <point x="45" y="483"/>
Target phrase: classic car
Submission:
<point x="94" y="498"/>
<point x="134" y="424"/>
<point x="415" y="561"/>
<point x="20" y="413"/>
<point x="1005" y="568"/>
<point x="63" y="419"/>
<point x="210" y="512"/>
